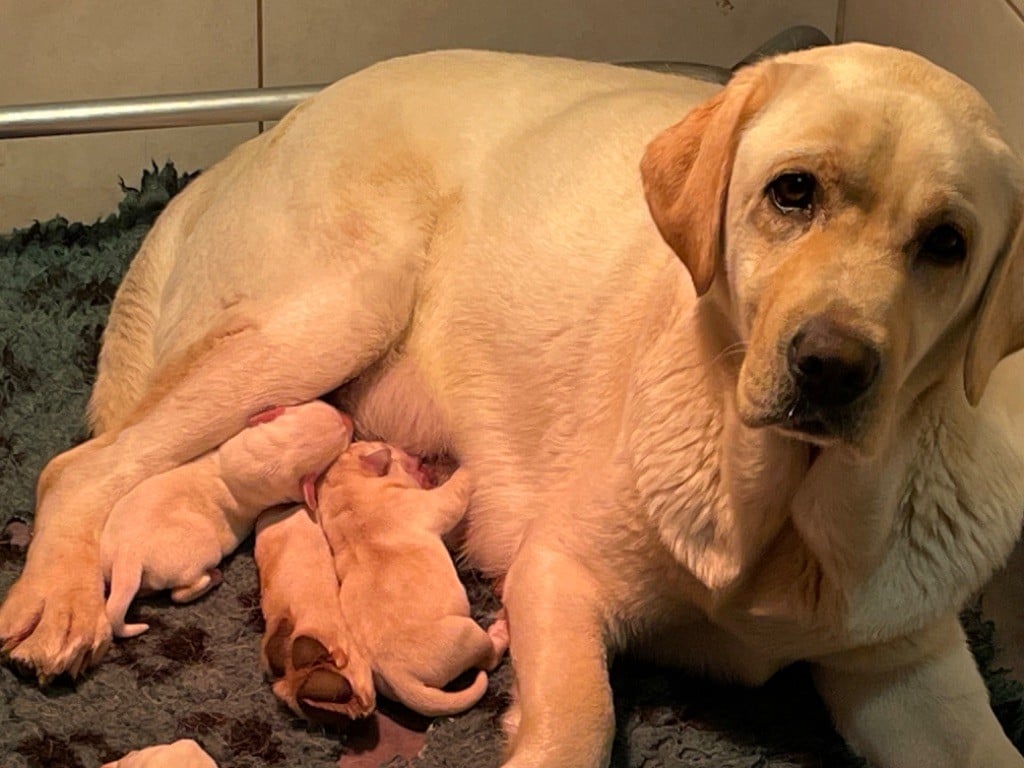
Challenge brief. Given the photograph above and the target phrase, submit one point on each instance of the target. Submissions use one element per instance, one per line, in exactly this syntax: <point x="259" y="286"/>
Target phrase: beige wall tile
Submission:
<point x="59" y="50"/>
<point x="312" y="41"/>
<point x="76" y="176"/>
<point x="982" y="41"/>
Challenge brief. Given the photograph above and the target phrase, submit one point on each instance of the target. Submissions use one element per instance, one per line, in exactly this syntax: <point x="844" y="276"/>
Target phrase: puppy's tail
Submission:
<point x="434" y="702"/>
<point x="125" y="580"/>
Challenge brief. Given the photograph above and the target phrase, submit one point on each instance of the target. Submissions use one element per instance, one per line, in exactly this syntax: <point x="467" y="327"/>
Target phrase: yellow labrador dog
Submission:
<point x="720" y="380"/>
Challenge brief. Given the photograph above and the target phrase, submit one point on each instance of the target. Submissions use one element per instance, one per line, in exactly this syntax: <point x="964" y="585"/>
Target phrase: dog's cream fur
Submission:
<point x="464" y="237"/>
<point x="399" y="590"/>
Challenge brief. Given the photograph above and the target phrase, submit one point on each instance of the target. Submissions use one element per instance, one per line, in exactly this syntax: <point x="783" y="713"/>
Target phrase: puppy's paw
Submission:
<point x="184" y="753"/>
<point x="322" y="694"/>
<point x="314" y="683"/>
<point x="499" y="634"/>
<point x="189" y="592"/>
<point x="274" y="647"/>
<point x="49" y="626"/>
<point x="510" y="721"/>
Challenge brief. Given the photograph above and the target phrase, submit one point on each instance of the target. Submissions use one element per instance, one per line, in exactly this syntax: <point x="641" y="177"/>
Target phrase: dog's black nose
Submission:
<point x="831" y="365"/>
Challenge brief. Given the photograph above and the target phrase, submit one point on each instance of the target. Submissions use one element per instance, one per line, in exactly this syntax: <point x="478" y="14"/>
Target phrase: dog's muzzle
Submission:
<point x="832" y="369"/>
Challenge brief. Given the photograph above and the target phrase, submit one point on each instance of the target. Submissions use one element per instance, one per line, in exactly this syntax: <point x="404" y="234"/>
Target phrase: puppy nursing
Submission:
<point x="307" y="648"/>
<point x="399" y="589"/>
<point x="377" y="555"/>
<point x="213" y="502"/>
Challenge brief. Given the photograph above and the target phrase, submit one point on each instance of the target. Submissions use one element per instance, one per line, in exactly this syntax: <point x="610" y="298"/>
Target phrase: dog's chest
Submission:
<point x="867" y="554"/>
<point x="909" y="540"/>
<point x="958" y="517"/>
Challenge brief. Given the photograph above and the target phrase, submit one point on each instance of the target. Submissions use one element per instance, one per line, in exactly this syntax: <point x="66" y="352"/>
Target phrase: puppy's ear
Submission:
<point x="999" y="329"/>
<point x="378" y="462"/>
<point x="686" y="171"/>
<point x="309" y="495"/>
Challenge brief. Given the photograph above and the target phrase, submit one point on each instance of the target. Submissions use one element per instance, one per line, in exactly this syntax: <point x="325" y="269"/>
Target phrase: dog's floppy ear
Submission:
<point x="686" y="171"/>
<point x="999" y="329"/>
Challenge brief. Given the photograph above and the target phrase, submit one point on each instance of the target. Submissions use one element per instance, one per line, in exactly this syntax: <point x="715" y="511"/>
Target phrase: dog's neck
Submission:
<point x="721" y="503"/>
<point x="849" y="539"/>
<point x="717" y="491"/>
<point x="725" y="499"/>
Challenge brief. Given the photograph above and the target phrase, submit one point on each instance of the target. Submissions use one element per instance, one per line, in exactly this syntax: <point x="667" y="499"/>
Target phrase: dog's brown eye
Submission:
<point x="944" y="245"/>
<point x="793" y="192"/>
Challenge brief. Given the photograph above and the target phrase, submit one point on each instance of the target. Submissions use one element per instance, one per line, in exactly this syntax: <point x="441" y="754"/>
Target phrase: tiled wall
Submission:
<point x="980" y="40"/>
<point x="54" y="50"/>
<point x="310" y="40"/>
<point x="58" y="50"/>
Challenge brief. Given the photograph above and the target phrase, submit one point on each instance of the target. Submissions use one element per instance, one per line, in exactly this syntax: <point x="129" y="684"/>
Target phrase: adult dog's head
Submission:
<point x="859" y="215"/>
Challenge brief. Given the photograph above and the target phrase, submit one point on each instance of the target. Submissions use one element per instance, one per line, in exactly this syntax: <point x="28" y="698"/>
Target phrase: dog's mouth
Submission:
<point x="798" y="419"/>
<point x="814" y="431"/>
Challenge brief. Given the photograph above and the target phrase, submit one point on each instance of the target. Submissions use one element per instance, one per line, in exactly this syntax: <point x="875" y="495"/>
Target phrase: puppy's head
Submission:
<point x="371" y="460"/>
<point x="857" y="214"/>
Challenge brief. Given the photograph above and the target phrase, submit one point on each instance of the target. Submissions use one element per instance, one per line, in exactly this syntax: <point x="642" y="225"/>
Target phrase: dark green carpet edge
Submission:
<point x="195" y="673"/>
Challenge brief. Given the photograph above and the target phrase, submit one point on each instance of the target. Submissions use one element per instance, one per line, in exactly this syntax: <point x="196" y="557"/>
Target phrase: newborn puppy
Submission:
<point x="171" y="531"/>
<point x="184" y="753"/>
<point x="399" y="590"/>
<point x="307" y="647"/>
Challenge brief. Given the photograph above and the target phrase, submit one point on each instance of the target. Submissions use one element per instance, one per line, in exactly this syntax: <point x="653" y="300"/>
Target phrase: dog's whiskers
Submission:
<point x="739" y="347"/>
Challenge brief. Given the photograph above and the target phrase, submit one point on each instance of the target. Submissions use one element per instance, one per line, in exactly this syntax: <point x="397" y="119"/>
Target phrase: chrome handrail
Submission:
<point x="140" y="112"/>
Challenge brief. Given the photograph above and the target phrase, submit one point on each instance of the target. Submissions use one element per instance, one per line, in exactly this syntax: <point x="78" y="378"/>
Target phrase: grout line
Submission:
<point x="1019" y="12"/>
<point x="259" y="49"/>
<point x="840" y="22"/>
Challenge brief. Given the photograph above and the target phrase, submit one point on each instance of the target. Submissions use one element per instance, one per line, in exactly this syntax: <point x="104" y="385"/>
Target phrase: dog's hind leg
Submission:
<point x="126" y="357"/>
<point x="297" y="349"/>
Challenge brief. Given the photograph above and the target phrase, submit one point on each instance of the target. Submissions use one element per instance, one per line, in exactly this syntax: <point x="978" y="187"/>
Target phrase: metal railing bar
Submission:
<point x="144" y="112"/>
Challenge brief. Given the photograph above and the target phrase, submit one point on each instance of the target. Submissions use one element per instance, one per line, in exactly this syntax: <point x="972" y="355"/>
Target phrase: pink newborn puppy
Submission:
<point x="400" y="593"/>
<point x="172" y="530"/>
<point x="184" y="753"/>
<point x="307" y="648"/>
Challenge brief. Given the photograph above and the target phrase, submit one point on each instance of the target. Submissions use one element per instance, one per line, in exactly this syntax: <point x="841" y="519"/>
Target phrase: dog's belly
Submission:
<point x="392" y="401"/>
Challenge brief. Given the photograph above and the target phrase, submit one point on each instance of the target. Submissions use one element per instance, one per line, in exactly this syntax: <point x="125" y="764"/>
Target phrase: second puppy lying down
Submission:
<point x="172" y="530"/>
<point x="307" y="648"/>
<point x="400" y="593"/>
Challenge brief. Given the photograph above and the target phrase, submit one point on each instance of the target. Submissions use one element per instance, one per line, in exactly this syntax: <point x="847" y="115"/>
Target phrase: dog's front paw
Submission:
<point x="52" y="622"/>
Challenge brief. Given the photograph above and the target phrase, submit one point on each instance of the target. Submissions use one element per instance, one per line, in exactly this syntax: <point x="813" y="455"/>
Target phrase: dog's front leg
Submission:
<point x="68" y="561"/>
<point x="562" y="716"/>
<point x="53" y="619"/>
<point x="917" y="702"/>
